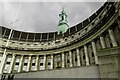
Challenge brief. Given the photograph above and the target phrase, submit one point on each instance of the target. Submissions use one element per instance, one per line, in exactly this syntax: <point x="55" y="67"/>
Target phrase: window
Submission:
<point x="48" y="43"/>
<point x="7" y="62"/>
<point x="68" y="61"/>
<point x="28" y="44"/>
<point x="5" y="41"/>
<point x="16" y="63"/>
<point x="35" y="44"/>
<point x="41" y="64"/>
<point x="92" y="54"/>
<point x="33" y="64"/>
<point x="65" y="39"/>
<point x="84" y="57"/>
<point x="49" y="63"/>
<point x="72" y="36"/>
<point x="21" y="43"/>
<point x="25" y="64"/>
<point x="13" y="42"/>
<point x="75" y="59"/>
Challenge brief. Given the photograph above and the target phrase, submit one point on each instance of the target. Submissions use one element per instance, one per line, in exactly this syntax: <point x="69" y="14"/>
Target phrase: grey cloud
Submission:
<point x="43" y="16"/>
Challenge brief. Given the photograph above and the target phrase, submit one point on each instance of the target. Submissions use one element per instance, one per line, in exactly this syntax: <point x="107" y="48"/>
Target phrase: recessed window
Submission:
<point x="35" y="44"/>
<point x="49" y="63"/>
<point x="25" y="64"/>
<point x="41" y="64"/>
<point x="5" y="41"/>
<point x="68" y="61"/>
<point x="21" y="43"/>
<point x="7" y="62"/>
<point x="92" y="54"/>
<point x="75" y="59"/>
<point x="72" y="36"/>
<point x="48" y="43"/>
<point x="13" y="42"/>
<point x="65" y="39"/>
<point x="57" y="42"/>
<point x="33" y="64"/>
<point x="16" y="63"/>
<point x="84" y="57"/>
<point x="28" y="44"/>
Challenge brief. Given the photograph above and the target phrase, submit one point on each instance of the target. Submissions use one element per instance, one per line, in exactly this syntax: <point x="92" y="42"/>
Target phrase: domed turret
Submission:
<point x="63" y="23"/>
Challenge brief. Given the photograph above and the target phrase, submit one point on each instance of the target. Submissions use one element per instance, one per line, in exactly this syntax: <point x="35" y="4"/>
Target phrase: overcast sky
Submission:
<point x="43" y="16"/>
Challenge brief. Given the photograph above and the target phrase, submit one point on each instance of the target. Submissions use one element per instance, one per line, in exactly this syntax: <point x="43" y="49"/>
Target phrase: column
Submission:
<point x="118" y="23"/>
<point x="119" y="12"/>
<point x="3" y="61"/>
<point x="66" y="59"/>
<point x="36" y="63"/>
<point x="21" y="64"/>
<point x="29" y="63"/>
<point x="51" y="61"/>
<point x="63" y="60"/>
<point x="102" y="41"/>
<point x="78" y="57"/>
<point x="70" y="57"/>
<point x="86" y="55"/>
<point x="112" y="37"/>
<point x="12" y="63"/>
<point x="73" y="58"/>
<point x="44" y="63"/>
<point x="95" y="52"/>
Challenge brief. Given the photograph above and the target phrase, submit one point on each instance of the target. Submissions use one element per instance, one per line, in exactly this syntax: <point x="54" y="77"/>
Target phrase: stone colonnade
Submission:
<point x="64" y="59"/>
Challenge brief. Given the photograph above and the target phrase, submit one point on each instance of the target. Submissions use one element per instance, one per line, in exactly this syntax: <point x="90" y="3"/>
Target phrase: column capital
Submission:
<point x="69" y="51"/>
<point x="85" y="46"/>
<point x="77" y="48"/>
<point x="101" y="35"/>
<point x="110" y="28"/>
<point x="37" y="55"/>
<point x="21" y="55"/>
<point x="14" y="54"/>
<point x="30" y="55"/>
<point x="93" y="41"/>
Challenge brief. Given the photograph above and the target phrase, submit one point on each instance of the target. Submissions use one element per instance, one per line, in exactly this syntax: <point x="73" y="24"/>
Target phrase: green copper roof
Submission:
<point x="63" y="23"/>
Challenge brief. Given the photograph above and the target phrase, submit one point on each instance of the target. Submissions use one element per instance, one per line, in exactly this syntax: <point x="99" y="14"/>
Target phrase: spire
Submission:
<point x="63" y="23"/>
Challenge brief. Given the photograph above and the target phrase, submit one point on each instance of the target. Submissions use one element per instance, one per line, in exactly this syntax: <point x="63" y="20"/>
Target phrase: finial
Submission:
<point x="63" y="10"/>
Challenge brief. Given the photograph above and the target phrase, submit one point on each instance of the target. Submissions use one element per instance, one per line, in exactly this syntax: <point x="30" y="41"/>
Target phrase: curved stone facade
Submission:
<point x="95" y="41"/>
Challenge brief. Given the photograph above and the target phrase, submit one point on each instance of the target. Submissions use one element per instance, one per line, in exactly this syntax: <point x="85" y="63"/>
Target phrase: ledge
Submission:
<point x="108" y="51"/>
